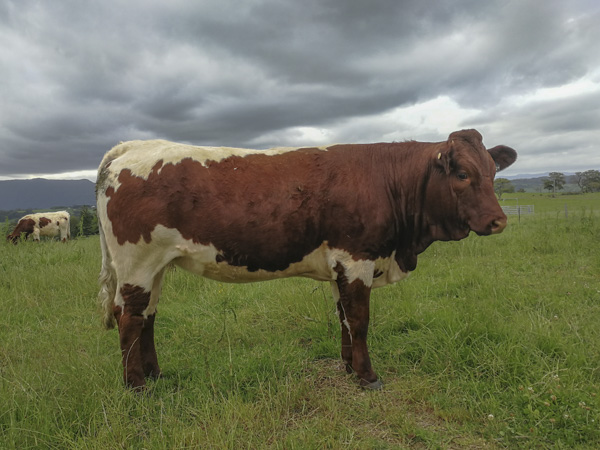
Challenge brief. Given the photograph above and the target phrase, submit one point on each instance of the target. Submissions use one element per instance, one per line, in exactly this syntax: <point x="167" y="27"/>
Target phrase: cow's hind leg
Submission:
<point x="140" y="275"/>
<point x="353" y="307"/>
<point x="136" y="331"/>
<point x="149" y="358"/>
<point x="130" y="319"/>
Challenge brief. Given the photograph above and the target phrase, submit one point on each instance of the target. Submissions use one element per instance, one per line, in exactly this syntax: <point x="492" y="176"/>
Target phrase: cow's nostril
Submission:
<point x="498" y="226"/>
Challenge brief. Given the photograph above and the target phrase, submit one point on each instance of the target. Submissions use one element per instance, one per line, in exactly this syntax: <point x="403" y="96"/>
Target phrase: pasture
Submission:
<point x="492" y="342"/>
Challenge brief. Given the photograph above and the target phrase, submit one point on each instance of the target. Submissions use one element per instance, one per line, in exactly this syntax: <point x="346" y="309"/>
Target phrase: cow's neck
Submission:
<point x="415" y="201"/>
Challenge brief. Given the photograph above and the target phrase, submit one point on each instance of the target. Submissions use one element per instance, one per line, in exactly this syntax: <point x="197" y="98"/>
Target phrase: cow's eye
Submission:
<point x="462" y="175"/>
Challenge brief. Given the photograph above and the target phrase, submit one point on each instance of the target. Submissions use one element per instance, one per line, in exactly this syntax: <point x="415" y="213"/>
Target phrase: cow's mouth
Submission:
<point x="496" y="226"/>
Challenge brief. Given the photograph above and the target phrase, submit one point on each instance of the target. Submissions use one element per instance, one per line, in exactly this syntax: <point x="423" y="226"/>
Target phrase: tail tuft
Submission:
<point x="108" y="285"/>
<point x="106" y="298"/>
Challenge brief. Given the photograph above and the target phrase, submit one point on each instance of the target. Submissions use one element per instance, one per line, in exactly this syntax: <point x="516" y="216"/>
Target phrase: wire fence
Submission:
<point x="518" y="210"/>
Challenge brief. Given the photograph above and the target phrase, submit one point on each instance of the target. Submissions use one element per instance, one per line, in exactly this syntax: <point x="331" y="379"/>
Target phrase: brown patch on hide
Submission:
<point x="136" y="299"/>
<point x="43" y="221"/>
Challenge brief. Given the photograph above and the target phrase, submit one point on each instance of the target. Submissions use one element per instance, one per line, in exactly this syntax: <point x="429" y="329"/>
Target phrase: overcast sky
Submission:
<point x="77" y="77"/>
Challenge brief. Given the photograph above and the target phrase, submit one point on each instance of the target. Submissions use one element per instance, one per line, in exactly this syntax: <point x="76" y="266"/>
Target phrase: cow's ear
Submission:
<point x="443" y="159"/>
<point x="503" y="156"/>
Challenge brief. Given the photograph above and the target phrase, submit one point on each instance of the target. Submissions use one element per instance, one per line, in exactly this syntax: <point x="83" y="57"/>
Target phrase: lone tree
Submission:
<point x="555" y="180"/>
<point x="88" y="222"/>
<point x="503" y="186"/>
<point x="588" y="181"/>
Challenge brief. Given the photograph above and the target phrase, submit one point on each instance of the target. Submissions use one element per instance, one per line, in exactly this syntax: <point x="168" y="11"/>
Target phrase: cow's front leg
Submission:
<point x="130" y="320"/>
<point x="149" y="358"/>
<point x="353" y="309"/>
<point x="346" y="338"/>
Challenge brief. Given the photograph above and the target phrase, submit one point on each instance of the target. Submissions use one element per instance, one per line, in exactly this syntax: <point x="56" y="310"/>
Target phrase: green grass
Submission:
<point x="492" y="342"/>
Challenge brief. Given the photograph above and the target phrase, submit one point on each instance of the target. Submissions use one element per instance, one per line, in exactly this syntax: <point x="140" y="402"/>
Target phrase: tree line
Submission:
<point x="587" y="181"/>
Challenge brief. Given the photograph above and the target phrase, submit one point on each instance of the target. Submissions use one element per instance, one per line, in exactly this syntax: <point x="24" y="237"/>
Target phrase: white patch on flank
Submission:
<point x="353" y="269"/>
<point x="391" y="271"/>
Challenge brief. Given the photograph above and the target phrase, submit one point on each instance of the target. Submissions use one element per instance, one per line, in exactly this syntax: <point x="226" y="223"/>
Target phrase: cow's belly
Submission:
<point x="167" y="245"/>
<point x="201" y="260"/>
<point x="319" y="265"/>
<point x="50" y="230"/>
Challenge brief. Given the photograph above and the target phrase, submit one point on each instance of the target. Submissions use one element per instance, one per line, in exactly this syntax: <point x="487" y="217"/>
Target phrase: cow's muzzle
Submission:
<point x="498" y="225"/>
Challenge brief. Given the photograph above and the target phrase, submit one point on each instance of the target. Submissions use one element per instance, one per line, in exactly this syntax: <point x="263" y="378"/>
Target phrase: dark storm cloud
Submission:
<point x="76" y="77"/>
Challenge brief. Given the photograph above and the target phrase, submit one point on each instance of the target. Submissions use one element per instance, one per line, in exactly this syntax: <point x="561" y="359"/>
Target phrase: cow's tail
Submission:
<point x="108" y="276"/>
<point x="108" y="284"/>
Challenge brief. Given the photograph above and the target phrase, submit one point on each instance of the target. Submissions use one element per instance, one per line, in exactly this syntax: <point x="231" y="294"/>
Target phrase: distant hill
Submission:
<point x="40" y="193"/>
<point x="529" y="184"/>
<point x="522" y="176"/>
<point x="535" y="182"/>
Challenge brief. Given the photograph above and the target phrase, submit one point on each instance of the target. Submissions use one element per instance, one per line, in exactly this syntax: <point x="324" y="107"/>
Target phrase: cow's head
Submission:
<point x="464" y="185"/>
<point x="25" y="225"/>
<point x="14" y="238"/>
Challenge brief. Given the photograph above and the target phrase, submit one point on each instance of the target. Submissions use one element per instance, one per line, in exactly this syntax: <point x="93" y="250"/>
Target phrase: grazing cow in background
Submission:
<point x="43" y="224"/>
<point x="354" y="215"/>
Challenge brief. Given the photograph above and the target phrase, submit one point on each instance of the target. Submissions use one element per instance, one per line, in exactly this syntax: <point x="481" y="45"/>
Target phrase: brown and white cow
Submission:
<point x="354" y="215"/>
<point x="49" y="224"/>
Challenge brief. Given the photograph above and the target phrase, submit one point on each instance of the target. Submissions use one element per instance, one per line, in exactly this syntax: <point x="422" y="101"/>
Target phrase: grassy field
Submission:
<point x="558" y="206"/>
<point x="492" y="343"/>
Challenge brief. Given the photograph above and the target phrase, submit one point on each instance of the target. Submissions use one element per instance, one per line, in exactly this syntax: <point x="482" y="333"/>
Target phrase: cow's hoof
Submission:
<point x="140" y="390"/>
<point x="349" y="369"/>
<point x="155" y="375"/>
<point x="374" y="386"/>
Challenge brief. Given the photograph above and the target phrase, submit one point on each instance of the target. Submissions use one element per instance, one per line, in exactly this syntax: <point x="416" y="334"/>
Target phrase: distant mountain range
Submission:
<point x="529" y="176"/>
<point x="40" y="193"/>
<point x="535" y="182"/>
